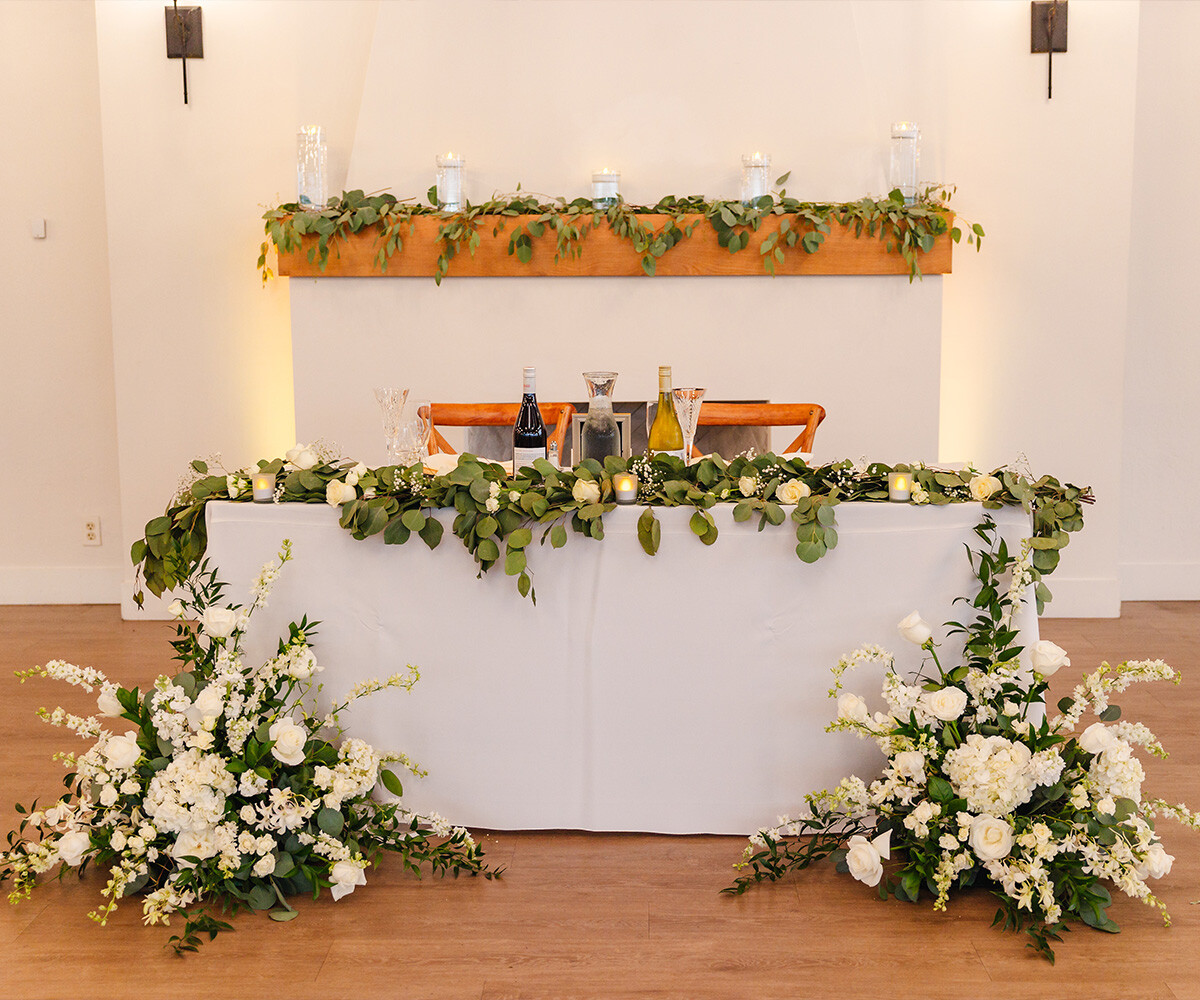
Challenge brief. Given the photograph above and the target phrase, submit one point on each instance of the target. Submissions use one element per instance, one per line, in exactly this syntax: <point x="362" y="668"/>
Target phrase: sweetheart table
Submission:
<point x="678" y="693"/>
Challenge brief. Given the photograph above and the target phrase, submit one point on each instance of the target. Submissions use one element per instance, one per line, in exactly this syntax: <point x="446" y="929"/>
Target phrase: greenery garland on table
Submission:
<point x="909" y="229"/>
<point x="497" y="513"/>
<point x="227" y="791"/>
<point x="979" y="787"/>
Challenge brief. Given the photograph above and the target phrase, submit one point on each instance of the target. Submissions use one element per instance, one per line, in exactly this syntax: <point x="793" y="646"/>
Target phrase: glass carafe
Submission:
<point x="599" y="437"/>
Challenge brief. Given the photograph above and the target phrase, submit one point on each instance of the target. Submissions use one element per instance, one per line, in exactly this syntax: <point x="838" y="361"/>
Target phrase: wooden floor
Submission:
<point x="596" y="915"/>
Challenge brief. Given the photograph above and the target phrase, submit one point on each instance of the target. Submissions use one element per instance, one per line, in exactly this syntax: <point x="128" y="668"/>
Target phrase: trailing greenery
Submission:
<point x="497" y="514"/>
<point x="908" y="229"/>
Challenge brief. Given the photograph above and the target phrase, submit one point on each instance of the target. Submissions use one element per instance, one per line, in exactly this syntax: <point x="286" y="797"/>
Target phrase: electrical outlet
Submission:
<point x="91" y="531"/>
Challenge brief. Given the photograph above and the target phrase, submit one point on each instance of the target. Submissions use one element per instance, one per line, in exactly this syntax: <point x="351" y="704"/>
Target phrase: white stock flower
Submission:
<point x="793" y="491"/>
<point x="586" y="491"/>
<point x="946" y="703"/>
<point x="301" y="457"/>
<point x="107" y="704"/>
<point x="345" y="875"/>
<point x="915" y="629"/>
<point x="72" y="847"/>
<point x="864" y="857"/>
<point x="1097" y="738"/>
<point x="289" y="741"/>
<point x="852" y="707"/>
<point x="338" y="493"/>
<point x="982" y="487"/>
<point x="219" y="622"/>
<point x="748" y="485"/>
<point x="991" y="838"/>
<point x="1047" y="658"/>
<point x="122" y="751"/>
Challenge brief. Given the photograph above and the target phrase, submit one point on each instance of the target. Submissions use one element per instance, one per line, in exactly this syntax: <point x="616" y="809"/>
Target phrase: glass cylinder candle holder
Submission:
<point x="625" y="487"/>
<point x="905" y="160"/>
<point x="312" y="181"/>
<point x="450" y="182"/>
<point x="263" y="485"/>
<point x="755" y="182"/>
<point x="900" y="486"/>
<point x="606" y="186"/>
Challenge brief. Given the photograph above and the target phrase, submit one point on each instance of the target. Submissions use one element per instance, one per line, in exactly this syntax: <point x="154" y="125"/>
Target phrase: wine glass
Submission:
<point x="391" y="405"/>
<point x="415" y="428"/>
<point x="687" y="409"/>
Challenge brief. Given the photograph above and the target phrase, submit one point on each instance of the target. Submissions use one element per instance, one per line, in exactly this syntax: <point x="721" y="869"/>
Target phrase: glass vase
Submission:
<point x="312" y="183"/>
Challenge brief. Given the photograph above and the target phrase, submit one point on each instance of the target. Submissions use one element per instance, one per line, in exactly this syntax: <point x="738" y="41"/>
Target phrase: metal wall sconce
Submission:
<point x="185" y="37"/>
<point x="1048" y="33"/>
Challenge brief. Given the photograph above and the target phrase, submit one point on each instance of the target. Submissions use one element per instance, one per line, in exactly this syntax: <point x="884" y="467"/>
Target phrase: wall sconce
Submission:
<point x="1048" y="33"/>
<point x="185" y="37"/>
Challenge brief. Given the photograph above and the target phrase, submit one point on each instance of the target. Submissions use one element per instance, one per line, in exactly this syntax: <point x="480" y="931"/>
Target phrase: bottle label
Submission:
<point x="678" y="453"/>
<point x="526" y="456"/>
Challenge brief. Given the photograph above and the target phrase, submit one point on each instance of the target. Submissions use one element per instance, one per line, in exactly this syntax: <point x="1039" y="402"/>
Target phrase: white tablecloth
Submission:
<point x="681" y="693"/>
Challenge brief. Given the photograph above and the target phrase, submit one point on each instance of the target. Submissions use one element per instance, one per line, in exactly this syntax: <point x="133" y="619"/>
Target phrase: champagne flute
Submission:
<point x="687" y="409"/>
<point x="391" y="405"/>
<point x="415" y="429"/>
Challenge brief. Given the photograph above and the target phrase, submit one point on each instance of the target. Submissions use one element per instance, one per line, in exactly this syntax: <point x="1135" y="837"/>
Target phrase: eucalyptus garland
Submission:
<point x="909" y="229"/>
<point x="497" y="514"/>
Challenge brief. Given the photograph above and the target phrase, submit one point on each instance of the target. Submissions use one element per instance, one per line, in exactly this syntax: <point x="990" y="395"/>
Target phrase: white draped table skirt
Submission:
<point x="680" y="693"/>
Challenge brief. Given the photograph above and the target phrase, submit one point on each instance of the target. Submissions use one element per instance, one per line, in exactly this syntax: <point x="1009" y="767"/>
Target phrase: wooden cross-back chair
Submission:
<point x="557" y="417"/>
<point x="806" y="415"/>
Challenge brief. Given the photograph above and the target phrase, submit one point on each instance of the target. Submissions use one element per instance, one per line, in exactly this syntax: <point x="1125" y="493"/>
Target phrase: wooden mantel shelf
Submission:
<point x="607" y="255"/>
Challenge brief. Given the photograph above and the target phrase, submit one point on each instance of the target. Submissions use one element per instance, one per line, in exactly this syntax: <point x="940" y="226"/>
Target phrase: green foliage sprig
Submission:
<point x="497" y="514"/>
<point x="909" y="229"/>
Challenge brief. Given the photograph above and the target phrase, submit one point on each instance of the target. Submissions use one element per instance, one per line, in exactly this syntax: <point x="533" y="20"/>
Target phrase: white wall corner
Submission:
<point x="1084" y="597"/>
<point x="60" y="585"/>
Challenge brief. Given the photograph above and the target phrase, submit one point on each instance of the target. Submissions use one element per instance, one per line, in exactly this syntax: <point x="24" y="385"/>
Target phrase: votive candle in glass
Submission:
<point x="900" y="486"/>
<point x="625" y="486"/>
<point x="755" y="182"/>
<point x="449" y="182"/>
<point x="606" y="186"/>
<point x="263" y="485"/>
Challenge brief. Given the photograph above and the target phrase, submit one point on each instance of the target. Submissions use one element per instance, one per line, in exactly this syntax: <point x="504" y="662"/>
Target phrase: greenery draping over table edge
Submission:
<point x="908" y="229"/>
<point x="498" y="513"/>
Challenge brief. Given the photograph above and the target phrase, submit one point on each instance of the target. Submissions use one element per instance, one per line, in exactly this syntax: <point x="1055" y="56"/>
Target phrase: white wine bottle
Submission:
<point x="529" y="432"/>
<point x="666" y="436"/>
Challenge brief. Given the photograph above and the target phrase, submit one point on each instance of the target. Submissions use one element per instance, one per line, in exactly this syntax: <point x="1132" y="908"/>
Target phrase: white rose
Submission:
<point x="193" y="844"/>
<point x="301" y="664"/>
<point x="289" y="741"/>
<point x="946" y="704"/>
<point x="915" y="629"/>
<point x="117" y="840"/>
<point x="1097" y="738"/>
<point x="1047" y="657"/>
<point x="202" y="740"/>
<point x="108" y="705"/>
<point x="1156" y="864"/>
<point x="232" y="487"/>
<point x="863" y="857"/>
<point x="748" y="485"/>
<point x="345" y="876"/>
<point x="210" y="702"/>
<point x="72" y="847"/>
<point x="793" y="491"/>
<point x="991" y="838"/>
<point x="265" y="865"/>
<point x="301" y="457"/>
<point x="926" y="811"/>
<point x="122" y="751"/>
<point x="219" y="622"/>
<point x="175" y="608"/>
<point x="982" y="487"/>
<point x="355" y="473"/>
<point x="909" y="764"/>
<point x="338" y="493"/>
<point x="108" y="795"/>
<point x="852" y="707"/>
<point x="586" y="491"/>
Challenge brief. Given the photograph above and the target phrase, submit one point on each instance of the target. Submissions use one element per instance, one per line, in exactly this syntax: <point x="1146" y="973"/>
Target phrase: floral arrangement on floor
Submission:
<point x="979" y="786"/>
<point x="498" y="512"/>
<point x="219" y="789"/>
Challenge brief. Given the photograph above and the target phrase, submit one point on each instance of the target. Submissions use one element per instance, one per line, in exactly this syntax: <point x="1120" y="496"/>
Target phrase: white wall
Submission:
<point x="58" y="434"/>
<point x="1160" y="534"/>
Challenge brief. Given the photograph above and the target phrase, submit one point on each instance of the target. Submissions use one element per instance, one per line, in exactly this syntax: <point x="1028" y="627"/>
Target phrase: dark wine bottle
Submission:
<point x="529" y="432"/>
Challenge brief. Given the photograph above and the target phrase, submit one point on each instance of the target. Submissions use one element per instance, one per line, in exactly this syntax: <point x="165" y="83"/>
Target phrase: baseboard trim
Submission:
<point x="1084" y="597"/>
<point x="1160" y="581"/>
<point x="60" y="585"/>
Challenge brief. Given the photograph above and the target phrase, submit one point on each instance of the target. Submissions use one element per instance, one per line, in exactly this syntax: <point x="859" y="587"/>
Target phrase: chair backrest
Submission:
<point x="806" y="415"/>
<point x="496" y="415"/>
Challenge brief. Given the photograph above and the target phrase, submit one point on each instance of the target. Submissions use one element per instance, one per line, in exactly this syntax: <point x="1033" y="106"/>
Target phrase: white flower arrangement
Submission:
<point x="979" y="787"/>
<point x="220" y="788"/>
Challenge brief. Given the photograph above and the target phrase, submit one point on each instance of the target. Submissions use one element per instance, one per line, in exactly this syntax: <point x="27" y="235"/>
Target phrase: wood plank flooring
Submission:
<point x="608" y="916"/>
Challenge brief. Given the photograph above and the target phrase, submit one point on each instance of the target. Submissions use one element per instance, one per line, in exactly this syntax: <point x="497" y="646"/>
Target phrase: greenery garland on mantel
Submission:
<point x="908" y="229"/>
<point x="497" y="513"/>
